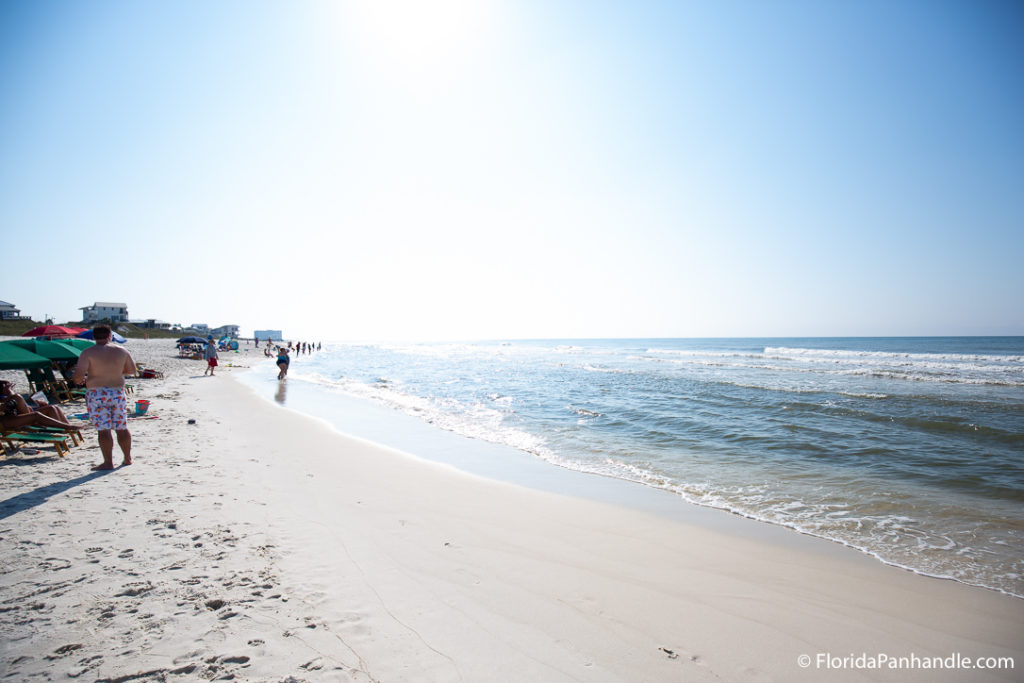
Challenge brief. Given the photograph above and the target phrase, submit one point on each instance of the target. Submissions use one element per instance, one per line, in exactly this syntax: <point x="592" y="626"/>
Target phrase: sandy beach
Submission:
<point x="252" y="543"/>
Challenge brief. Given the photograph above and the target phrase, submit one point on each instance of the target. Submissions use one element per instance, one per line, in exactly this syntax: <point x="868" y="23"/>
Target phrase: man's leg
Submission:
<point x="124" y="440"/>
<point x="106" y="440"/>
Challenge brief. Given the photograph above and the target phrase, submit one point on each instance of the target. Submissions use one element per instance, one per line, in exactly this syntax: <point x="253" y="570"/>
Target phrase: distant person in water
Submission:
<point x="210" y="354"/>
<point x="282" y="362"/>
<point x="101" y="368"/>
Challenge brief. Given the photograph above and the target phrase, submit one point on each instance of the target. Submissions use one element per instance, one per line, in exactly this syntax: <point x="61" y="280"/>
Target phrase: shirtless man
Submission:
<point x="102" y="369"/>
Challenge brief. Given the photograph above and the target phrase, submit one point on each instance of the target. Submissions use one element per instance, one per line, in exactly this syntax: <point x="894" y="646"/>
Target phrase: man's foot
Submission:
<point x="127" y="461"/>
<point x="103" y="466"/>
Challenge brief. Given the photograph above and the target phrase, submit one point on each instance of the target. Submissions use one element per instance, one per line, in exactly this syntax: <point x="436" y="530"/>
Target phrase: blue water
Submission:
<point x="910" y="449"/>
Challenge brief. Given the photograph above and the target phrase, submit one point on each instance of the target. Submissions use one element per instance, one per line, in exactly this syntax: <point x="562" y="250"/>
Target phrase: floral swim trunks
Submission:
<point x="107" y="408"/>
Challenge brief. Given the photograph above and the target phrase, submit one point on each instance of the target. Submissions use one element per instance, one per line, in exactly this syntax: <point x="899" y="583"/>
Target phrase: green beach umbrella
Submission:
<point x="77" y="343"/>
<point x="52" y="350"/>
<point x="14" y="357"/>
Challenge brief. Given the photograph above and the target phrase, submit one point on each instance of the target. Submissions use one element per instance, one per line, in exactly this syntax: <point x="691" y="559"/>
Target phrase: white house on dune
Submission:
<point x="115" y="312"/>
<point x="11" y="312"/>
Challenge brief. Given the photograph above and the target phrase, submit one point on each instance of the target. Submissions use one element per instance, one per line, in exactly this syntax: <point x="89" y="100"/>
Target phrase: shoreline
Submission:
<point x="364" y="419"/>
<point x="261" y="543"/>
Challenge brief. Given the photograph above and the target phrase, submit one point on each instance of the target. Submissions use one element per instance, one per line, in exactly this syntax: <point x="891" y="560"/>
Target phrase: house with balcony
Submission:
<point x="151" y="324"/>
<point x="105" y="310"/>
<point x="10" y="312"/>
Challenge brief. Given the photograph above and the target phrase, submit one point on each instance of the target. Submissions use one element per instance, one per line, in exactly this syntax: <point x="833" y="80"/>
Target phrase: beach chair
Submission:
<point x="56" y="391"/>
<point x="36" y="379"/>
<point x="58" y="441"/>
<point x="76" y="435"/>
<point x="62" y="387"/>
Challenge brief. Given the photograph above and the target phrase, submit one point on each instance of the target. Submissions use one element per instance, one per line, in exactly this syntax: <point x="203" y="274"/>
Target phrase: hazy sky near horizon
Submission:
<point x="470" y="169"/>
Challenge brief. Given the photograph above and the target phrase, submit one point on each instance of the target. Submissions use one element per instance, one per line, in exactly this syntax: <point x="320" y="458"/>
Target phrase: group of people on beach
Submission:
<point x="101" y="369"/>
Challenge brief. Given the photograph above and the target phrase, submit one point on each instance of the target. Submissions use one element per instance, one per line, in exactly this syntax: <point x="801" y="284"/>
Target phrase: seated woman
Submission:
<point x="15" y="413"/>
<point x="66" y="369"/>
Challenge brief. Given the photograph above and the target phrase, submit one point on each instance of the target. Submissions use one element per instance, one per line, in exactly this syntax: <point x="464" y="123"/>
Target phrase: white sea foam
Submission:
<point x="477" y="420"/>
<point x="946" y="368"/>
<point x="692" y="353"/>
<point x="836" y="354"/>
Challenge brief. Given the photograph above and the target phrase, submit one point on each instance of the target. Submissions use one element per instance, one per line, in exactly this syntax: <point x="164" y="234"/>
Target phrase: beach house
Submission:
<point x="274" y="335"/>
<point x="105" y="310"/>
<point x="10" y="312"/>
<point x="152" y="324"/>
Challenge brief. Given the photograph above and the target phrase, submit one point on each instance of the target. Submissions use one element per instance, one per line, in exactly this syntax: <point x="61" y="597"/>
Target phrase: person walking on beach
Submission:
<point x="282" y="362"/>
<point x="101" y="368"/>
<point x="211" y="357"/>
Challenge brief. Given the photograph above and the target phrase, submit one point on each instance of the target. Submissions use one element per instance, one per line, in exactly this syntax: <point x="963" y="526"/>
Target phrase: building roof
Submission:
<point x="104" y="304"/>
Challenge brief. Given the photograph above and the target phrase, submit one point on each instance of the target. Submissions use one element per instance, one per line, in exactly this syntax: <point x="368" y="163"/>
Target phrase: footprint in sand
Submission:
<point x="54" y="564"/>
<point x="64" y="651"/>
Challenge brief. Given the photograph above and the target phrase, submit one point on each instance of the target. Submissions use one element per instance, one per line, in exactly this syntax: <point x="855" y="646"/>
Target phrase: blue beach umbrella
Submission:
<point x="114" y="335"/>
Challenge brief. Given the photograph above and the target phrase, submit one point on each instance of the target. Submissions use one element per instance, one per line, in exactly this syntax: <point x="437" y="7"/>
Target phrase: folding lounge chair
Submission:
<point x="76" y="436"/>
<point x="59" y="441"/>
<point x="36" y="379"/>
<point x="62" y="387"/>
<point x="42" y="379"/>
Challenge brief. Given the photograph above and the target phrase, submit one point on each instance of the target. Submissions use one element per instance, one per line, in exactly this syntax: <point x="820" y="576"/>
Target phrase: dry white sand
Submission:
<point x="260" y="545"/>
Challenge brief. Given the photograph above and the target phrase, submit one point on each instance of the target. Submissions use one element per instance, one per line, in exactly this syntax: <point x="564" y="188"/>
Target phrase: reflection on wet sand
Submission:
<point x="282" y="389"/>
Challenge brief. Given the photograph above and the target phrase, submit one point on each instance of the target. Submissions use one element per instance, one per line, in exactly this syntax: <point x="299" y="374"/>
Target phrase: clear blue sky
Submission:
<point x="544" y="168"/>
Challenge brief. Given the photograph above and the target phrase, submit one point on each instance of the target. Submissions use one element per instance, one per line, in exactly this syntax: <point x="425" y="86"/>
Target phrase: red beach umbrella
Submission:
<point x="52" y="331"/>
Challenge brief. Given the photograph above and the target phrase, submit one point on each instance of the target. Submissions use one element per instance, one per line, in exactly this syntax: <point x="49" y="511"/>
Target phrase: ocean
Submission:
<point x="908" y="449"/>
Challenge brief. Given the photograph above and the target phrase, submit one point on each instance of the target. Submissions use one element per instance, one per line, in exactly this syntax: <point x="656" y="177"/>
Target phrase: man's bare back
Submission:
<point x="104" y="365"/>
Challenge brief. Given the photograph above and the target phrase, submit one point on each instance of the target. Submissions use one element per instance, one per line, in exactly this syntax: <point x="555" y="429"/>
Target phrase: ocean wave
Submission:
<point x="959" y="358"/>
<point x="919" y="375"/>
<point x="703" y="354"/>
<point x="583" y="412"/>
<point x="932" y="372"/>
<point x="600" y="368"/>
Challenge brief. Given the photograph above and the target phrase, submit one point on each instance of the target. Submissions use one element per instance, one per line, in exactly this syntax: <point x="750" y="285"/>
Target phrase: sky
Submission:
<point x="476" y="169"/>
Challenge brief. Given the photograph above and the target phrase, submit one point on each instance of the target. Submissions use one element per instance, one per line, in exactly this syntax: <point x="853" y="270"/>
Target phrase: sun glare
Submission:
<point x="417" y="37"/>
